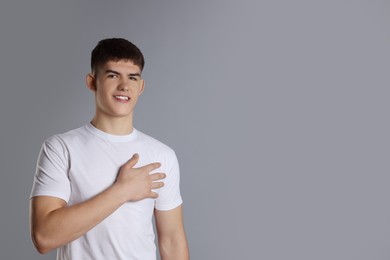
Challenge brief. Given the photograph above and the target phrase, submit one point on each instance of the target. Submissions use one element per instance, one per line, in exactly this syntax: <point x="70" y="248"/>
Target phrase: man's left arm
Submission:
<point x="172" y="239"/>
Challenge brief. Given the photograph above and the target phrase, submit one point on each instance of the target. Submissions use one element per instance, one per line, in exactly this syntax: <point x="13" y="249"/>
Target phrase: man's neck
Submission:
<point x="114" y="126"/>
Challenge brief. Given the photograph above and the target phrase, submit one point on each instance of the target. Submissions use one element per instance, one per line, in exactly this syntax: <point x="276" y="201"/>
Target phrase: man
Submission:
<point x="97" y="187"/>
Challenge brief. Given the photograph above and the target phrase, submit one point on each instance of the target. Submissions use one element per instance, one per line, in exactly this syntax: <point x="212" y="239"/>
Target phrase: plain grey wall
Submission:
<point x="278" y="111"/>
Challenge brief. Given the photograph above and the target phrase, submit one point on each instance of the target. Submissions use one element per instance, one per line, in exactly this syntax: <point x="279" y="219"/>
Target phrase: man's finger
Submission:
<point x="133" y="161"/>
<point x="157" y="176"/>
<point x="152" y="166"/>
<point x="153" y="195"/>
<point x="157" y="185"/>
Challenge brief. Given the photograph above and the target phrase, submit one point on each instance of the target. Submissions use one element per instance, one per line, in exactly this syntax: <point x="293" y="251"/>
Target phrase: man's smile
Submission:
<point x="122" y="98"/>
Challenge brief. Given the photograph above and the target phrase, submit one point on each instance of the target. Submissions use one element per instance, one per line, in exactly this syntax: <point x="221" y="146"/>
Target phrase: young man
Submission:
<point x="97" y="187"/>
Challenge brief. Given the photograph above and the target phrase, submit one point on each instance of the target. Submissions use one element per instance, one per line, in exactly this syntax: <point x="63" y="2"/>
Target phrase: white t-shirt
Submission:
<point x="81" y="163"/>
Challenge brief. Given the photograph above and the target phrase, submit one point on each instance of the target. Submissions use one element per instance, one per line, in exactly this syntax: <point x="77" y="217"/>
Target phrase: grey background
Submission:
<point x="278" y="111"/>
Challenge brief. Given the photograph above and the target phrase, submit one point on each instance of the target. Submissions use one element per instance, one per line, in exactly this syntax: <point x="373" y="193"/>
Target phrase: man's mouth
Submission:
<point x="124" y="98"/>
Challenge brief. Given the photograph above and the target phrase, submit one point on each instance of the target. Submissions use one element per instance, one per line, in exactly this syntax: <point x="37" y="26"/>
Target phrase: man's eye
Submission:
<point x="111" y="76"/>
<point x="133" y="78"/>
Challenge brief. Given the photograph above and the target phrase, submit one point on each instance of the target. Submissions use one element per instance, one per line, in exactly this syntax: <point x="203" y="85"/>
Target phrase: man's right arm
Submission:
<point x="53" y="223"/>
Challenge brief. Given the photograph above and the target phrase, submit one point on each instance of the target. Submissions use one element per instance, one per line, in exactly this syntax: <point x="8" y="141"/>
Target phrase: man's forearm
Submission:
<point x="175" y="249"/>
<point x="62" y="225"/>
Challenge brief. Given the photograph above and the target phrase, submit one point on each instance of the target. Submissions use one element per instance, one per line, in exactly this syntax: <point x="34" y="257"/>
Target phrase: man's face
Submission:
<point x="117" y="85"/>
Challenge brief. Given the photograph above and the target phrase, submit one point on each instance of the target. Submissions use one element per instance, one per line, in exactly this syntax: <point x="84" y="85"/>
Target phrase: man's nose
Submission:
<point x="123" y="85"/>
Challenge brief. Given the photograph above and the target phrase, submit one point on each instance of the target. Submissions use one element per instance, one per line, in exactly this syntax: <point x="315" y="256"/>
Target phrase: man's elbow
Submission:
<point x="42" y="244"/>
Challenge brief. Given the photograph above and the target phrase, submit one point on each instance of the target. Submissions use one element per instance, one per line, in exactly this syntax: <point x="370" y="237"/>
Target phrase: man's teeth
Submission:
<point x="122" y="97"/>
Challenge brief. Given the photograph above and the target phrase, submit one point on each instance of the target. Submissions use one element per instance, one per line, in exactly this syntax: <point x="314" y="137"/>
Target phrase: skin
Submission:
<point x="54" y="223"/>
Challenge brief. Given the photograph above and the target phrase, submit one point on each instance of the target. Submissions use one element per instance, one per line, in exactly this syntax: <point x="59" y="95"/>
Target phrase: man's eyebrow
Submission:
<point x="130" y="74"/>
<point x="112" y="71"/>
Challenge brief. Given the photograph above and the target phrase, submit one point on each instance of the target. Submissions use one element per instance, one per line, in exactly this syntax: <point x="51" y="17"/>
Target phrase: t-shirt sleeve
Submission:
<point x="51" y="175"/>
<point x="169" y="195"/>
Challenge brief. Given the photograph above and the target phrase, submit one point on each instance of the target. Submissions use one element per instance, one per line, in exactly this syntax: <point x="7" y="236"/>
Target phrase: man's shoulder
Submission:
<point x="68" y="136"/>
<point x="153" y="142"/>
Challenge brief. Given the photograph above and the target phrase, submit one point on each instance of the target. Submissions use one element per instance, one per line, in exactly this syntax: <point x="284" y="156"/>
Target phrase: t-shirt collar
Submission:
<point x="110" y="137"/>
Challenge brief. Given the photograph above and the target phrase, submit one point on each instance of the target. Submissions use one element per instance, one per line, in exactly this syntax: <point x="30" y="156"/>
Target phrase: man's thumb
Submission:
<point x="133" y="160"/>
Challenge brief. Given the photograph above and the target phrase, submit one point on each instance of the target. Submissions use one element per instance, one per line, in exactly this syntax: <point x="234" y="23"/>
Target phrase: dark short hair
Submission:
<point x="116" y="49"/>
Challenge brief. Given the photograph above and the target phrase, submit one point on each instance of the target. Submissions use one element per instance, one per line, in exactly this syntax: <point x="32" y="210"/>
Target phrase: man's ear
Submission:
<point x="142" y="87"/>
<point x="90" y="82"/>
